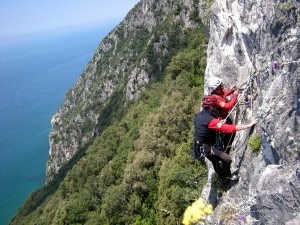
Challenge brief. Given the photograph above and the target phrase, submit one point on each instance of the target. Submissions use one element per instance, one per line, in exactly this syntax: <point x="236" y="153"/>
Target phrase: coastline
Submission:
<point x="36" y="75"/>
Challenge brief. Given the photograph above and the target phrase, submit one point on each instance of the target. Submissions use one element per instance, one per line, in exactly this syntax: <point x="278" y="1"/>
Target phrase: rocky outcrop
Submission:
<point x="255" y="44"/>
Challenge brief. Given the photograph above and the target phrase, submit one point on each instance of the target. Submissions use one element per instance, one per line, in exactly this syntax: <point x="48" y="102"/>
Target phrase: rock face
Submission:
<point x="255" y="44"/>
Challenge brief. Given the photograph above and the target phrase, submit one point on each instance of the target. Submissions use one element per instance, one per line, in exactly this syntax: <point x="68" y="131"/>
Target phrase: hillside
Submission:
<point x="121" y="141"/>
<point x="120" y="144"/>
<point x="133" y="55"/>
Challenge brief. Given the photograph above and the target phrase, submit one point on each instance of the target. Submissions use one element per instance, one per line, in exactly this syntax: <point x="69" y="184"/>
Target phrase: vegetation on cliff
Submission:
<point x="139" y="170"/>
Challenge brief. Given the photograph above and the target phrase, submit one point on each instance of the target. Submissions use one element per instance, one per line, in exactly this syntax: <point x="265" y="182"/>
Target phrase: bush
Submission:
<point x="255" y="142"/>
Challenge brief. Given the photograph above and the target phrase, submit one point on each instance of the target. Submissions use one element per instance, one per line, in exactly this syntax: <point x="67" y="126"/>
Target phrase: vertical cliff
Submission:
<point x="255" y="44"/>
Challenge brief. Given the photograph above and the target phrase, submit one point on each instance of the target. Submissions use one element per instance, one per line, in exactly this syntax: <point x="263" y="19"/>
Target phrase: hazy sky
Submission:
<point x="22" y="17"/>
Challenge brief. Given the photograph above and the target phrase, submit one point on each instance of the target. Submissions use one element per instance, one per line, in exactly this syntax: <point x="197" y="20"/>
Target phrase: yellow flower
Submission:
<point x="196" y="212"/>
<point x="188" y="216"/>
<point x="198" y="215"/>
<point x="199" y="204"/>
<point x="208" y="209"/>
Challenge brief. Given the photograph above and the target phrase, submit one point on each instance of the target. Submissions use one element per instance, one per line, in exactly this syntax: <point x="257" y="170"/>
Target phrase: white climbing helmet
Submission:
<point x="213" y="83"/>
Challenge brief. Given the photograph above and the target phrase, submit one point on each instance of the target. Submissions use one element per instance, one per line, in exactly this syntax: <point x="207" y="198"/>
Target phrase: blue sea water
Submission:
<point x="34" y="77"/>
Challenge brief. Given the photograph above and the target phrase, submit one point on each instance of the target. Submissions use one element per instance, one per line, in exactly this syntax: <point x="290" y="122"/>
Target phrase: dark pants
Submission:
<point x="220" y="160"/>
<point x="221" y="167"/>
<point x="223" y="143"/>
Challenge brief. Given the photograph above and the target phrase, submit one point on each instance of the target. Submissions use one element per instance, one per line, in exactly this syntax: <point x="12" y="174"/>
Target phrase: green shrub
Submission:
<point x="254" y="142"/>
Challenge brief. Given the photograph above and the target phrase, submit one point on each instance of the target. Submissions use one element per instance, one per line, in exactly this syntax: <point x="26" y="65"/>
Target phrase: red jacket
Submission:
<point x="217" y="125"/>
<point x="223" y="103"/>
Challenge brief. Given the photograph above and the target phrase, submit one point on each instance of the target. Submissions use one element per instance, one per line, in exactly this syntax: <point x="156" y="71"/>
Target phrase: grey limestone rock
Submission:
<point x="255" y="44"/>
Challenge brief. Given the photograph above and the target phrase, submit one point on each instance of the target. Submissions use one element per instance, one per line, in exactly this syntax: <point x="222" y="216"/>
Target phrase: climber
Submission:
<point x="207" y="125"/>
<point x="225" y="102"/>
<point x="216" y="88"/>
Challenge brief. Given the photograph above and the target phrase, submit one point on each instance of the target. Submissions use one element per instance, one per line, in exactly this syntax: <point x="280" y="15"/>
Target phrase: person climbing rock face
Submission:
<point x="226" y="100"/>
<point x="207" y="125"/>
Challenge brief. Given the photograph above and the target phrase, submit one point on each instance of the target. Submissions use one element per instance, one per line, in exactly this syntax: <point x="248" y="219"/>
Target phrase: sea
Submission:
<point x="35" y="74"/>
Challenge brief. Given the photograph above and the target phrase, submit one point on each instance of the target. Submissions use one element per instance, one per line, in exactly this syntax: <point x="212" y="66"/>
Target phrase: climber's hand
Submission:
<point x="253" y="122"/>
<point x="222" y="121"/>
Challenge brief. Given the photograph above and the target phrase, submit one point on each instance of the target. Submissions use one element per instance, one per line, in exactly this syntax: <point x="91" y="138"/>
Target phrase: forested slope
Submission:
<point x="138" y="169"/>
